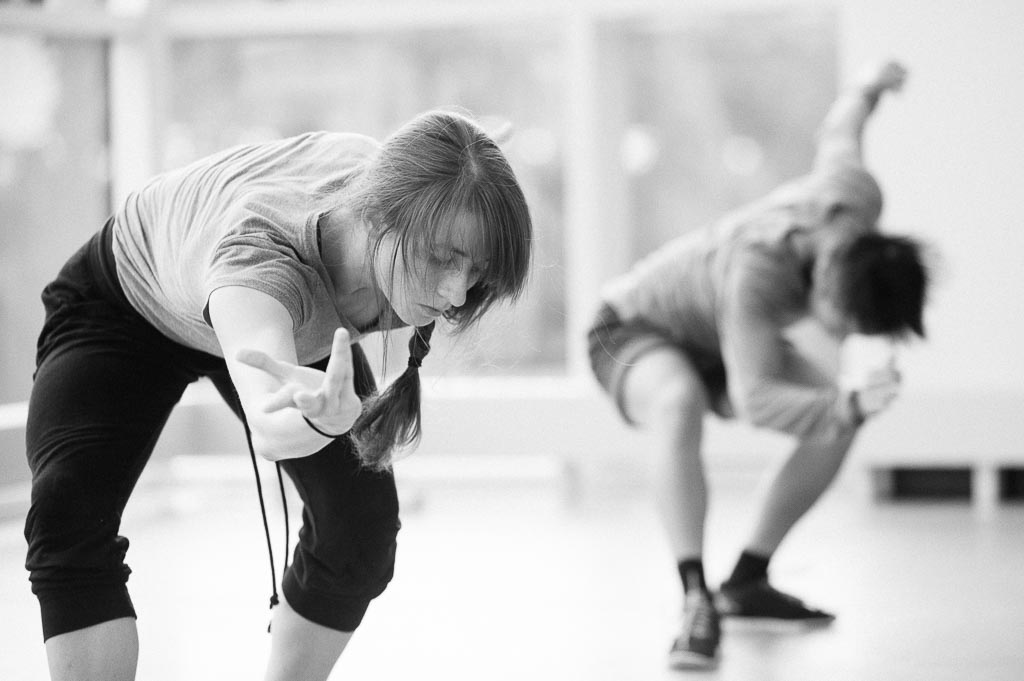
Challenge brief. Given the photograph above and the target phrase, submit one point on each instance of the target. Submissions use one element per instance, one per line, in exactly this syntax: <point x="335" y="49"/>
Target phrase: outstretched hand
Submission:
<point x="879" y="389"/>
<point x="327" y="398"/>
<point x="877" y="78"/>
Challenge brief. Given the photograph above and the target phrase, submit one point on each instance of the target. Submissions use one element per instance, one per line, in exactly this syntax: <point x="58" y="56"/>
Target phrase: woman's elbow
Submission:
<point x="752" y="407"/>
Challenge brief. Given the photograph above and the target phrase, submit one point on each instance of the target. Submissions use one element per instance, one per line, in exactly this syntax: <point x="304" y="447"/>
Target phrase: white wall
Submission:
<point x="950" y="154"/>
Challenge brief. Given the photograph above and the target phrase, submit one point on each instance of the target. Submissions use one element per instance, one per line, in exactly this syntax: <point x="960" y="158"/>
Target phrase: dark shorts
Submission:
<point x="615" y="346"/>
<point x="105" y="383"/>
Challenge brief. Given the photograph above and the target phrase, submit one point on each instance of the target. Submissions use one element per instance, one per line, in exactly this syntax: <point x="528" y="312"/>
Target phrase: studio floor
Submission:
<point x="512" y="582"/>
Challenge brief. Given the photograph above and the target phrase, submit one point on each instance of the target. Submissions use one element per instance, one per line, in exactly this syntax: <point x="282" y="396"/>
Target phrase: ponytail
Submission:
<point x="392" y="419"/>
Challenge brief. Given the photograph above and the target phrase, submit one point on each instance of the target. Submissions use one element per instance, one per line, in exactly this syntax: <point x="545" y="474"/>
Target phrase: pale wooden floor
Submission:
<point x="516" y="585"/>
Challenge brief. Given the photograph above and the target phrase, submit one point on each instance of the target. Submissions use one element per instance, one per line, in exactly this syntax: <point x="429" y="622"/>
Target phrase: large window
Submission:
<point x="631" y="123"/>
<point x="719" y="110"/>
<point x="226" y="92"/>
<point x="54" y="180"/>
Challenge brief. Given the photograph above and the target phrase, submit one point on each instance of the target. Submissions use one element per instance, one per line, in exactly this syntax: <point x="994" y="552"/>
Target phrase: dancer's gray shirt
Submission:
<point x="732" y="287"/>
<point x="243" y="217"/>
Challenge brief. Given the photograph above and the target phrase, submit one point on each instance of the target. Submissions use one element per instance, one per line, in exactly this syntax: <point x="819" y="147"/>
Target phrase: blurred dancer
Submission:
<point x="699" y="325"/>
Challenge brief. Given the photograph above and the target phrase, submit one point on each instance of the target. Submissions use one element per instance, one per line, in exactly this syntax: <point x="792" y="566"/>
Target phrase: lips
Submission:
<point x="433" y="311"/>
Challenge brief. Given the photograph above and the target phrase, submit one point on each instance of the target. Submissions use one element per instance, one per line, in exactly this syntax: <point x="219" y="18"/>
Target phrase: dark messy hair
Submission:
<point x="881" y="282"/>
<point x="439" y="166"/>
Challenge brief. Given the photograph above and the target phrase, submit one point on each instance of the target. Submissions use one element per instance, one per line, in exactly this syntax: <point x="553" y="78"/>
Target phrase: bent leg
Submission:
<point x="97" y="406"/>
<point x="808" y="471"/>
<point x="346" y="551"/>
<point x="794" y="489"/>
<point x="663" y="393"/>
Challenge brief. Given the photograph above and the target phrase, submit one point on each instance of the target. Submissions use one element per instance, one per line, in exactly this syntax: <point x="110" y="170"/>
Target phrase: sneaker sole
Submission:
<point x="681" y="660"/>
<point x="773" y="624"/>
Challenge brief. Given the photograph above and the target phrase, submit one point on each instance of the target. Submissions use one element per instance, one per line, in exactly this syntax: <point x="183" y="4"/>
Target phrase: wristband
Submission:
<point x="859" y="417"/>
<point x="310" y="424"/>
<point x="871" y="96"/>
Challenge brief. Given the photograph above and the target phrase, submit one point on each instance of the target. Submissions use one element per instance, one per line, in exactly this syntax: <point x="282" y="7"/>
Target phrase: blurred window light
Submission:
<point x="536" y="146"/>
<point x="54" y="179"/>
<point x="127" y="7"/>
<point x="742" y="155"/>
<point x="639" y="150"/>
<point x="29" y="77"/>
<point x="736" y="99"/>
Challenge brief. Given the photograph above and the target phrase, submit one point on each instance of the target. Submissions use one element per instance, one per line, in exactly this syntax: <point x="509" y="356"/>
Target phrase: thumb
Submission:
<point x="307" y="402"/>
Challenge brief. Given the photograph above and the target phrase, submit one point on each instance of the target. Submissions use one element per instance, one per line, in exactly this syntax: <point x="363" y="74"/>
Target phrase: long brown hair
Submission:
<point x="436" y="167"/>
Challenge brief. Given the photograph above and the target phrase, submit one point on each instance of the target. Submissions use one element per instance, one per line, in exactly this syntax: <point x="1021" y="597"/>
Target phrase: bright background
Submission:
<point x="634" y="121"/>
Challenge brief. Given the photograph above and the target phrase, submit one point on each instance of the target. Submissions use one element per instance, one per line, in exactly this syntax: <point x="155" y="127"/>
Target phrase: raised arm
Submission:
<point x="841" y="133"/>
<point x="255" y="333"/>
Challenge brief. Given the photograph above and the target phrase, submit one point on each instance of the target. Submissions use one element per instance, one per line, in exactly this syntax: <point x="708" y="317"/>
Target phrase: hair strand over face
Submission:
<point x="437" y="169"/>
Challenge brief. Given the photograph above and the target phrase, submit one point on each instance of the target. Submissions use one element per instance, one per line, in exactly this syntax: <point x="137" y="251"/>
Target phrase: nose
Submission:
<point x="454" y="286"/>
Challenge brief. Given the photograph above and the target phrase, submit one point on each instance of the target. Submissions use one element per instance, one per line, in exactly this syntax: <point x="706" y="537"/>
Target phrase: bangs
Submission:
<point x="498" y="238"/>
<point x="505" y="235"/>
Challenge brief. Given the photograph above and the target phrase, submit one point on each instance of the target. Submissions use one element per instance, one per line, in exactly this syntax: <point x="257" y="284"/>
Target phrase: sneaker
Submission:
<point x="760" y="605"/>
<point x="697" y="645"/>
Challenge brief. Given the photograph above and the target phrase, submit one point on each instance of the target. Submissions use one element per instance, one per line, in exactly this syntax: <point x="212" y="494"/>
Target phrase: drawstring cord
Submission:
<point x="284" y="504"/>
<point x="263" y="511"/>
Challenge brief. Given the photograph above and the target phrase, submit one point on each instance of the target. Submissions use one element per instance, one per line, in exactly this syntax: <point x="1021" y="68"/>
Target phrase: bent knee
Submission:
<point x="370" y="557"/>
<point x="677" y="399"/>
<point x="672" y="401"/>
<point x="662" y="385"/>
<point x="334" y="584"/>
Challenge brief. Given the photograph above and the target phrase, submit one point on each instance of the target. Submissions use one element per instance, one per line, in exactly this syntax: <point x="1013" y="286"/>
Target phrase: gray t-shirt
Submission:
<point x="730" y="289"/>
<point x="244" y="217"/>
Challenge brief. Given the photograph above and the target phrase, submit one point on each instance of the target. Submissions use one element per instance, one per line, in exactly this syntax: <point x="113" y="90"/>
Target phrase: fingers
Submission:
<point x="282" y="399"/>
<point x="894" y="76"/>
<point x="891" y="76"/>
<point x="339" y="366"/>
<point x="876" y="398"/>
<point x="888" y="375"/>
<point x="311" y="404"/>
<point x="882" y="76"/>
<point x="312" y="392"/>
<point x="264" y="362"/>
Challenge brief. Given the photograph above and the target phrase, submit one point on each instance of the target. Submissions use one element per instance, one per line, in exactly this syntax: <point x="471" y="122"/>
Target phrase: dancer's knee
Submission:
<point x="676" y="402"/>
<point x="75" y="556"/>
<point x="334" y="583"/>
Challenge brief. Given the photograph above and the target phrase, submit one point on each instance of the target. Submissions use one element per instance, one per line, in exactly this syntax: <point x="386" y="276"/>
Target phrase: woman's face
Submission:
<point x="828" y="314"/>
<point x="428" y="284"/>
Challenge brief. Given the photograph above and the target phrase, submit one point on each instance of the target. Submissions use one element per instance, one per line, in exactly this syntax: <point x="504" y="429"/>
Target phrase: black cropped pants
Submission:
<point x="105" y="383"/>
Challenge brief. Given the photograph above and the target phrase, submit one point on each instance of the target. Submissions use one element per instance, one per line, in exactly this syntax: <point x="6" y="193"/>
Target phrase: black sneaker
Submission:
<point x="697" y="645"/>
<point x="759" y="605"/>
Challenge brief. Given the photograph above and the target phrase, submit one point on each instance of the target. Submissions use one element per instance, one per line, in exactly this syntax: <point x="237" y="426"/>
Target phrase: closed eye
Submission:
<point x="444" y="260"/>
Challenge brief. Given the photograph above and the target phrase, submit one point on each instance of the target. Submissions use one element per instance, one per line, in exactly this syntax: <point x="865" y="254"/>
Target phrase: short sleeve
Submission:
<point x="259" y="261"/>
